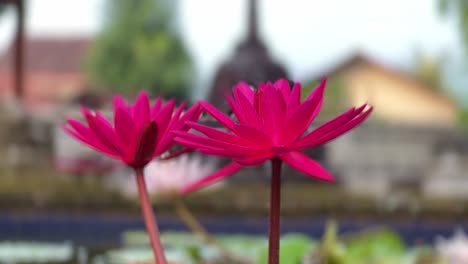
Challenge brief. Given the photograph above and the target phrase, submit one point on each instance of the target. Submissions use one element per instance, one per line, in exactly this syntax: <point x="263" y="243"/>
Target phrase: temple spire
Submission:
<point x="252" y="34"/>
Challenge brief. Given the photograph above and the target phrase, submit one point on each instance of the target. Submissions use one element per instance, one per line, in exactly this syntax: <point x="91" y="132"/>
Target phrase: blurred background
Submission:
<point x="404" y="171"/>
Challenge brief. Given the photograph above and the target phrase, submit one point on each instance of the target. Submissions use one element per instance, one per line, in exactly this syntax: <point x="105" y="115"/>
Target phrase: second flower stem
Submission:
<point x="275" y="208"/>
<point x="150" y="219"/>
<point x="195" y="226"/>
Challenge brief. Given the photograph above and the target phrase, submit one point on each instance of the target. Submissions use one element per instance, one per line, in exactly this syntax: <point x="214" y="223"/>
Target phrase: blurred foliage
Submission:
<point x="460" y="8"/>
<point x="379" y="246"/>
<point x="429" y="70"/>
<point x="293" y="248"/>
<point x="139" y="48"/>
<point x="463" y="119"/>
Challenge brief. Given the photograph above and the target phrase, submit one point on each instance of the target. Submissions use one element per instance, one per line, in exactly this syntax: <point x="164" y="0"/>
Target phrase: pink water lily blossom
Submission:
<point x="271" y="124"/>
<point x="166" y="178"/>
<point x="139" y="133"/>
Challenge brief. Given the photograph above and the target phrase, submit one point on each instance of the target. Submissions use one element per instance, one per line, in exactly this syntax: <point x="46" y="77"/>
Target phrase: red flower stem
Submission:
<point x="149" y="218"/>
<point x="275" y="208"/>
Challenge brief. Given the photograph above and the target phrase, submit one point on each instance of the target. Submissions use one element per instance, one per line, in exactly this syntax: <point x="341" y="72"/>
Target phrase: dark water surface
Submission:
<point x="100" y="229"/>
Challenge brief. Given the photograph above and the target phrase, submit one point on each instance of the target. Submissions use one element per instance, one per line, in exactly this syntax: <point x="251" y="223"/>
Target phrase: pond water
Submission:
<point x="106" y="230"/>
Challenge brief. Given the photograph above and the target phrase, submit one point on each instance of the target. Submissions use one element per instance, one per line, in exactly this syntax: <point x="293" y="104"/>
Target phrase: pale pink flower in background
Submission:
<point x="170" y="177"/>
<point x="454" y="250"/>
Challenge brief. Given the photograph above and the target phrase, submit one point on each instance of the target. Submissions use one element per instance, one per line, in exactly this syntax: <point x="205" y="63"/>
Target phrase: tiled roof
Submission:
<point x="50" y="54"/>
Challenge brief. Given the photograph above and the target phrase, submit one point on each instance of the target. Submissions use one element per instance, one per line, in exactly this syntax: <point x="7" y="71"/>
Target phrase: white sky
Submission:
<point x="305" y="35"/>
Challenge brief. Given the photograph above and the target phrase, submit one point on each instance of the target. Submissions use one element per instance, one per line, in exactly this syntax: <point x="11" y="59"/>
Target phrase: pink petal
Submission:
<point x="166" y="142"/>
<point x="217" y="134"/>
<point x="218" y="115"/>
<point x="273" y="115"/>
<point x="90" y="141"/>
<point x="90" y="136"/>
<point x="104" y="131"/>
<point x="146" y="145"/>
<point x="325" y="128"/>
<point x="119" y="102"/>
<point x="164" y="117"/>
<point x="283" y="86"/>
<point x="234" y="152"/>
<point x="294" y="101"/>
<point x="124" y="126"/>
<point x="156" y="108"/>
<point x="253" y="135"/>
<point x="141" y="110"/>
<point x="209" y="142"/>
<point x="299" y="121"/>
<point x="240" y="115"/>
<point x="306" y="165"/>
<point x="222" y="173"/>
<point x="248" y="111"/>
<point x="317" y="92"/>
<point x="343" y="129"/>
<point x="244" y="89"/>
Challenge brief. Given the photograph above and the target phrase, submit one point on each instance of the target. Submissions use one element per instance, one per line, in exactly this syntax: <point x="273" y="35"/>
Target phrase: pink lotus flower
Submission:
<point x="169" y="177"/>
<point x="271" y="124"/>
<point x="140" y="132"/>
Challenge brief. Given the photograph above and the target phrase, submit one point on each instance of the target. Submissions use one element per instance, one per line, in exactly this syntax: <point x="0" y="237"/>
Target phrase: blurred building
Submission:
<point x="53" y="71"/>
<point x="399" y="98"/>
<point x="250" y="63"/>
<point x="410" y="142"/>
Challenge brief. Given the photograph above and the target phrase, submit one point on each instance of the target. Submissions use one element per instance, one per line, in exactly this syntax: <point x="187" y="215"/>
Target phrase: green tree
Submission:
<point x="460" y="8"/>
<point x="139" y="48"/>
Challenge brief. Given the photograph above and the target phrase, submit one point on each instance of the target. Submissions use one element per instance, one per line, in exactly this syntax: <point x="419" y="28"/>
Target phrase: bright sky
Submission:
<point x="305" y="35"/>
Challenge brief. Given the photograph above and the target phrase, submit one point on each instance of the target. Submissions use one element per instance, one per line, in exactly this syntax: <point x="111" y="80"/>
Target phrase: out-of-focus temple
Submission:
<point x="250" y="63"/>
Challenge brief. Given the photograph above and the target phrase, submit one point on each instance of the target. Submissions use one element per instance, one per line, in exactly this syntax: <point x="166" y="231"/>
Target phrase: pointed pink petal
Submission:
<point x="253" y="135"/>
<point x="255" y="159"/>
<point x="240" y="115"/>
<point x="84" y="135"/>
<point x="173" y="120"/>
<point x="234" y="152"/>
<point x="294" y="101"/>
<point x="166" y="142"/>
<point x="141" y="110"/>
<point x="104" y="131"/>
<point x="209" y="142"/>
<point x="248" y="111"/>
<point x="244" y="89"/>
<point x="164" y="117"/>
<point x="325" y="128"/>
<point x="124" y="126"/>
<point x="306" y="165"/>
<point x="299" y="121"/>
<point x="218" y="115"/>
<point x="146" y="145"/>
<point x="283" y="86"/>
<point x="317" y="92"/>
<point x="119" y="102"/>
<point x="343" y="129"/>
<point x="217" y="134"/>
<point x="273" y="115"/>
<point x="156" y="108"/>
<point x="221" y="173"/>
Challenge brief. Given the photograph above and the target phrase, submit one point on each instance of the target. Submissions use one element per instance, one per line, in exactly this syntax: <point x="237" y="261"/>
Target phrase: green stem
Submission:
<point x="195" y="226"/>
<point x="149" y="218"/>
<point x="275" y="208"/>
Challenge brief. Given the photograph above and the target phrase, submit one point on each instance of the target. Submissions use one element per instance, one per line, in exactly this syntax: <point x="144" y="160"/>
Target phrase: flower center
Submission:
<point x="278" y="150"/>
